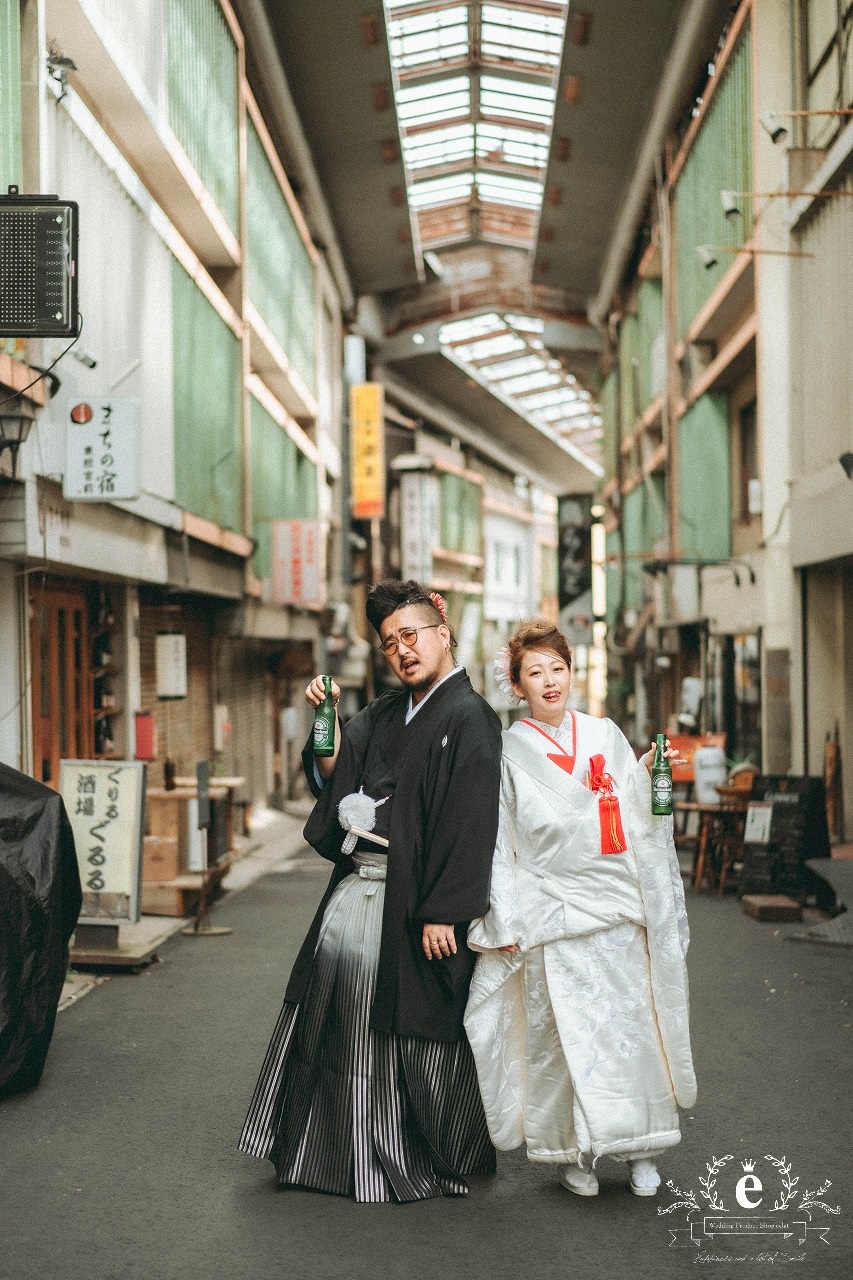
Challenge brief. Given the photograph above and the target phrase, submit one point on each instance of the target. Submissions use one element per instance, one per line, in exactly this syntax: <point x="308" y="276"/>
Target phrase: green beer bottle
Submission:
<point x="661" y="780"/>
<point x="324" y="723"/>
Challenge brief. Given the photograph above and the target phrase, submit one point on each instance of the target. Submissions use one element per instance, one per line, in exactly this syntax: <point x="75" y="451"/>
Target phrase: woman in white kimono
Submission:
<point x="578" y="1011"/>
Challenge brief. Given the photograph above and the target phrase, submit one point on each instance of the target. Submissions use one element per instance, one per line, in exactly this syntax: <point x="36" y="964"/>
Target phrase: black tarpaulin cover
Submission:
<point x="40" y="901"/>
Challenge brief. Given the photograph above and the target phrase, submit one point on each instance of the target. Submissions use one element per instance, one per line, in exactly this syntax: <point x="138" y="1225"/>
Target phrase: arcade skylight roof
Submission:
<point x="507" y="355"/>
<point x="475" y="86"/>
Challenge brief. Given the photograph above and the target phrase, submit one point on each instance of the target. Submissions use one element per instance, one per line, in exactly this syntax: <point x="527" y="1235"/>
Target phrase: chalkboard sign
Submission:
<point x="798" y="831"/>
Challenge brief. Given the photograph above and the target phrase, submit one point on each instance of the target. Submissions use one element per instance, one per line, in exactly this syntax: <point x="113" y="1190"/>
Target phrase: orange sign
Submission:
<point x="367" y="450"/>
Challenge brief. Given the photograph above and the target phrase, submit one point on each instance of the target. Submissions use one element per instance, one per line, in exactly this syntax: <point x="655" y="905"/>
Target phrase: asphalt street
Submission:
<point x="122" y="1165"/>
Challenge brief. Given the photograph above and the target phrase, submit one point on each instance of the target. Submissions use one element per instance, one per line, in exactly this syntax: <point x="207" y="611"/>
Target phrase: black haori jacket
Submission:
<point x="444" y="823"/>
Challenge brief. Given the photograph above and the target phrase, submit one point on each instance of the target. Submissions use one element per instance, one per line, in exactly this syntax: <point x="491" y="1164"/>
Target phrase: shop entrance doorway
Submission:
<point x="63" y="727"/>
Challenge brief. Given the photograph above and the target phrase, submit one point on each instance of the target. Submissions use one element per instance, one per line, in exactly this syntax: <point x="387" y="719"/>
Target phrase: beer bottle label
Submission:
<point x="662" y="789"/>
<point x="321" y="732"/>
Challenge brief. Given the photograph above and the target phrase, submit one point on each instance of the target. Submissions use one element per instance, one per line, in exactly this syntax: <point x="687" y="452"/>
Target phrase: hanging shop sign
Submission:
<point x="170" y="664"/>
<point x="102" y="449"/>
<point x="298" y="570"/>
<point x="418" y="518"/>
<point x="104" y="800"/>
<point x="574" y="521"/>
<point x="367" y="450"/>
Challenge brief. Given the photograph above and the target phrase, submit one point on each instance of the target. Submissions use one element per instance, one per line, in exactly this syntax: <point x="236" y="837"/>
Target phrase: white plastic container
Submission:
<point x="709" y="772"/>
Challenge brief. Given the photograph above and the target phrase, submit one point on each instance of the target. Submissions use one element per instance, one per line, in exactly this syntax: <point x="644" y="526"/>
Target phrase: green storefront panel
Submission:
<point x="284" y="483"/>
<point x="643" y="528"/>
<point x="203" y="97"/>
<point x="720" y="160"/>
<point x="208" y="371"/>
<point x="461" y="515"/>
<point x="281" y="273"/>
<point x="610" y="424"/>
<point x="705" y="503"/>
<point x="10" y="93"/>
<point x="649" y="324"/>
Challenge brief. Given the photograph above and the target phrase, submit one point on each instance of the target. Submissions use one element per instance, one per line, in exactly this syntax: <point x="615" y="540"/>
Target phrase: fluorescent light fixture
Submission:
<point x="706" y="256"/>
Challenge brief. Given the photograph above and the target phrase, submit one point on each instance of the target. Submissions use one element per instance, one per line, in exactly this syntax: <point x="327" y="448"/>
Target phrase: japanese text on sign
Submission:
<point x="102" y="450"/>
<point x="298" y="575"/>
<point x="104" y="801"/>
<point x="367" y="432"/>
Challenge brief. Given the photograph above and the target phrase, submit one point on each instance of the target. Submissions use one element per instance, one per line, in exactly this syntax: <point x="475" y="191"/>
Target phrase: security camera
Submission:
<point x="730" y="205"/>
<point x="772" y="127"/>
<point x="85" y="357"/>
<point x="706" y="256"/>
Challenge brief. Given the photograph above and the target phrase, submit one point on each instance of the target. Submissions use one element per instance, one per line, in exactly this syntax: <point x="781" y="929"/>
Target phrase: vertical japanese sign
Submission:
<point x="367" y="450"/>
<point x="418" y="515"/>
<point x="298" y="574"/>
<point x="574" y="520"/>
<point x="102" y="450"/>
<point x="104" y="800"/>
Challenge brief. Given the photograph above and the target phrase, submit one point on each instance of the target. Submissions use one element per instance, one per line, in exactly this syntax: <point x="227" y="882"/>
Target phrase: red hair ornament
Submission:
<point x="440" y="604"/>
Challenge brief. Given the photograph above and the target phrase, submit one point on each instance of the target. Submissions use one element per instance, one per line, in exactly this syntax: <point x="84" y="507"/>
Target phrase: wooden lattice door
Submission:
<point x="63" y="726"/>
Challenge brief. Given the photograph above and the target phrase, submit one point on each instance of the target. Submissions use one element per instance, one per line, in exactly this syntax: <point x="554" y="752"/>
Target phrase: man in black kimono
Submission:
<point x="369" y="1088"/>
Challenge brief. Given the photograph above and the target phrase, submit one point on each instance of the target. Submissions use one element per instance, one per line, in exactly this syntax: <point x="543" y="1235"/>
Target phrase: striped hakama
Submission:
<point x="347" y="1110"/>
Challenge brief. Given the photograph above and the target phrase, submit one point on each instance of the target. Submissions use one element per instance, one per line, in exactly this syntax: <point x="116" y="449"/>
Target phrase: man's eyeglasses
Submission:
<point x="408" y="636"/>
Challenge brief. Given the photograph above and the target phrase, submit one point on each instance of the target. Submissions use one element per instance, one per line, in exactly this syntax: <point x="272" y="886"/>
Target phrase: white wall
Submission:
<point x="125" y="299"/>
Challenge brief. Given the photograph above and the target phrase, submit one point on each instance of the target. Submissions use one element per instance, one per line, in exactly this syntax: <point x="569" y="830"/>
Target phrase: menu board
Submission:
<point x="797" y="831"/>
<point x="104" y="800"/>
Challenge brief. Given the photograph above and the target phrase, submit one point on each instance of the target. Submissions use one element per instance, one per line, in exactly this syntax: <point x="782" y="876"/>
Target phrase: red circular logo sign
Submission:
<point x="81" y="413"/>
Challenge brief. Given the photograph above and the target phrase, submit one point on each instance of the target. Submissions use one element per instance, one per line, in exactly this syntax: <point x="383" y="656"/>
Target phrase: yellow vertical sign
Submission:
<point x="367" y="450"/>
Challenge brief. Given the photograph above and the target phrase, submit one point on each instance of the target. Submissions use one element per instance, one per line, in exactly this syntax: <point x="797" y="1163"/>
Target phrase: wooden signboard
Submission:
<point x="797" y="831"/>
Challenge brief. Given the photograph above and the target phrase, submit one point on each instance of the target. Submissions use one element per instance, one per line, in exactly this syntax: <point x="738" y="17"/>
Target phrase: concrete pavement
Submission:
<point x="122" y="1165"/>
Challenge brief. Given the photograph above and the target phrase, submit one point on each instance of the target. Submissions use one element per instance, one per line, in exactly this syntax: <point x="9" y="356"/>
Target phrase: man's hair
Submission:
<point x="539" y="634"/>
<point x="386" y="598"/>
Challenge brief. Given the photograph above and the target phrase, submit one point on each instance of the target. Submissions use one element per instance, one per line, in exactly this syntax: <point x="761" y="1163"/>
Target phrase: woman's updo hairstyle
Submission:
<point x="539" y="634"/>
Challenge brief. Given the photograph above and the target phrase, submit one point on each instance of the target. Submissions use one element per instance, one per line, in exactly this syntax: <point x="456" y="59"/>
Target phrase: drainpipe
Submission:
<point x="688" y="47"/>
<point x="282" y="111"/>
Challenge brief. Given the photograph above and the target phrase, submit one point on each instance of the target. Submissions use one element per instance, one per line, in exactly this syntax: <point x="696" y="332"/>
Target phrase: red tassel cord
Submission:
<point x="609" y="817"/>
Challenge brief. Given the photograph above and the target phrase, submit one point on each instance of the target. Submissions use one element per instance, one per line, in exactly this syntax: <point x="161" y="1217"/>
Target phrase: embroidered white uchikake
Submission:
<point x="357" y="816"/>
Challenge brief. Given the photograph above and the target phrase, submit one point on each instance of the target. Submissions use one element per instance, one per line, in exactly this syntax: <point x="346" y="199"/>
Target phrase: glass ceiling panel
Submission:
<point x="530" y="382"/>
<point x="518" y="99"/>
<point x="431" y="103"/>
<point x="502" y="189"/>
<point x="435" y="191"/>
<point x="439" y="146"/>
<point x="429" y="37"/>
<point x="497" y="346"/>
<point x="472" y="327"/>
<point x="496" y="124"/>
<point x="512" y="368"/>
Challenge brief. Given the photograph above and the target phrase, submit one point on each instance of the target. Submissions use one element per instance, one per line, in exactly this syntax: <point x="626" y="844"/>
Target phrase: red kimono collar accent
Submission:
<point x="565" y="761"/>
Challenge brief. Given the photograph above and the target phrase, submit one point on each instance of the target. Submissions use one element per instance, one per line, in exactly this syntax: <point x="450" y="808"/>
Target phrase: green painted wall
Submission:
<point x="461" y="515"/>
<point x="630" y="406"/>
<point x="704" y="480"/>
<point x="284" y="483"/>
<point x="649" y="323"/>
<point x="281" y="273"/>
<point x="643" y="526"/>
<point x="720" y="160"/>
<point x="203" y="97"/>
<point x="207" y="378"/>
<point x="10" y="94"/>
<point x="610" y="424"/>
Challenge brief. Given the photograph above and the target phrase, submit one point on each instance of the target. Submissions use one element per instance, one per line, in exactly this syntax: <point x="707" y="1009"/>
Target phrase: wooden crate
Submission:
<point x="161" y="858"/>
<point x="771" y="906"/>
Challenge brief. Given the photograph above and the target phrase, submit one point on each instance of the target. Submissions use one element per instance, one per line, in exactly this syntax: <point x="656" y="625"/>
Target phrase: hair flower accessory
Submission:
<point x="440" y="604"/>
<point x="503" y="679"/>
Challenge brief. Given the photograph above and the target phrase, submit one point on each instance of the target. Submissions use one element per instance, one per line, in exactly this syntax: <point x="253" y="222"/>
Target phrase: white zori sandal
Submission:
<point x="645" y="1178"/>
<point x="583" y="1183"/>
